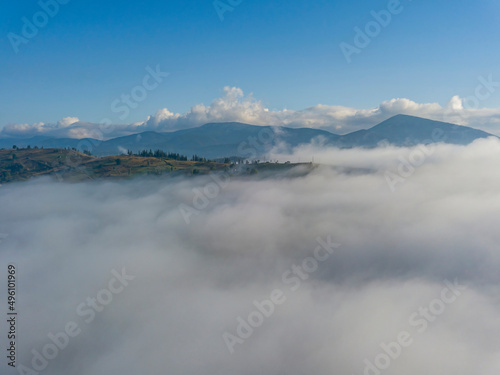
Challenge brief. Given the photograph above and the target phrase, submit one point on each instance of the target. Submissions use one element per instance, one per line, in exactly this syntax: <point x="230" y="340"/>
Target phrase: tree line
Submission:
<point x="166" y="155"/>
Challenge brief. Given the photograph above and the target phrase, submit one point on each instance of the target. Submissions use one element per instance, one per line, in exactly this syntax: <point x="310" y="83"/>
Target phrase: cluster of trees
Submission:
<point x="176" y="156"/>
<point x="15" y="168"/>
<point x="10" y="170"/>
<point x="199" y="158"/>
<point x="171" y="155"/>
<point x="159" y="154"/>
<point x="165" y="155"/>
<point x="28" y="147"/>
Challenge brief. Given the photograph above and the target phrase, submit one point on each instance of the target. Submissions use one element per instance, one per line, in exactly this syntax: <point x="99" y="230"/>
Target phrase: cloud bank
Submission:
<point x="193" y="282"/>
<point x="235" y="106"/>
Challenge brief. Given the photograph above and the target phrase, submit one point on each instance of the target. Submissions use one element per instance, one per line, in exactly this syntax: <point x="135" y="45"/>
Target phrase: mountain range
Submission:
<point x="217" y="140"/>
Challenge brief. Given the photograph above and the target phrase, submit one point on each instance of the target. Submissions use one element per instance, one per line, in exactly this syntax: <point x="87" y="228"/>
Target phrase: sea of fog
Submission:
<point x="382" y="261"/>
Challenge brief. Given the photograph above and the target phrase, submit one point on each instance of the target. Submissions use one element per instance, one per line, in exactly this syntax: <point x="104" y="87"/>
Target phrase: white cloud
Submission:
<point x="67" y="121"/>
<point x="235" y="106"/>
<point x="67" y="126"/>
<point x="455" y="104"/>
<point x="20" y="130"/>
<point x="193" y="281"/>
<point x="232" y="106"/>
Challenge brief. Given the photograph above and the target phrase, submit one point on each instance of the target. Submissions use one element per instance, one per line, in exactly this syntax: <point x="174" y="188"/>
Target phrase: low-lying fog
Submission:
<point x="382" y="261"/>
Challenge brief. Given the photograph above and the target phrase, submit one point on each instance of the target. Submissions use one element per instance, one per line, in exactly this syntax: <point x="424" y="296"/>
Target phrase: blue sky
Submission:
<point x="284" y="52"/>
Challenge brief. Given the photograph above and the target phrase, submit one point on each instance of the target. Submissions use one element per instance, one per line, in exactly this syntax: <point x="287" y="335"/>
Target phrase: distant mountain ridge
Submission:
<point x="404" y="130"/>
<point x="217" y="140"/>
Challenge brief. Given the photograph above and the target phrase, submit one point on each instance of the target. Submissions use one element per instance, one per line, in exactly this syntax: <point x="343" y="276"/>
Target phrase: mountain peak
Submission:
<point x="221" y="139"/>
<point x="407" y="130"/>
<point x="224" y="124"/>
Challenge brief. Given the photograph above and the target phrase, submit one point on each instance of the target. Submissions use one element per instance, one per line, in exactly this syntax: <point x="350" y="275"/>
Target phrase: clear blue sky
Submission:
<point x="285" y="52"/>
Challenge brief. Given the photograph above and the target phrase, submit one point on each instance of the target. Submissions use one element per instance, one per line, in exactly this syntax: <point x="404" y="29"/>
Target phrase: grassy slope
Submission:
<point x="23" y="164"/>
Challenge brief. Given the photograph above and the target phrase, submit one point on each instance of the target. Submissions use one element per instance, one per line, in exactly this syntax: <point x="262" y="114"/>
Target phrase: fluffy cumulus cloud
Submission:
<point x="232" y="106"/>
<point x="412" y="288"/>
<point x="67" y="121"/>
<point x="235" y="106"/>
<point x="68" y="126"/>
<point x="20" y="130"/>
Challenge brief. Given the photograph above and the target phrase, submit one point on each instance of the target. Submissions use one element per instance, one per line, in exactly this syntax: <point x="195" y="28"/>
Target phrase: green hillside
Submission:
<point x="70" y="165"/>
